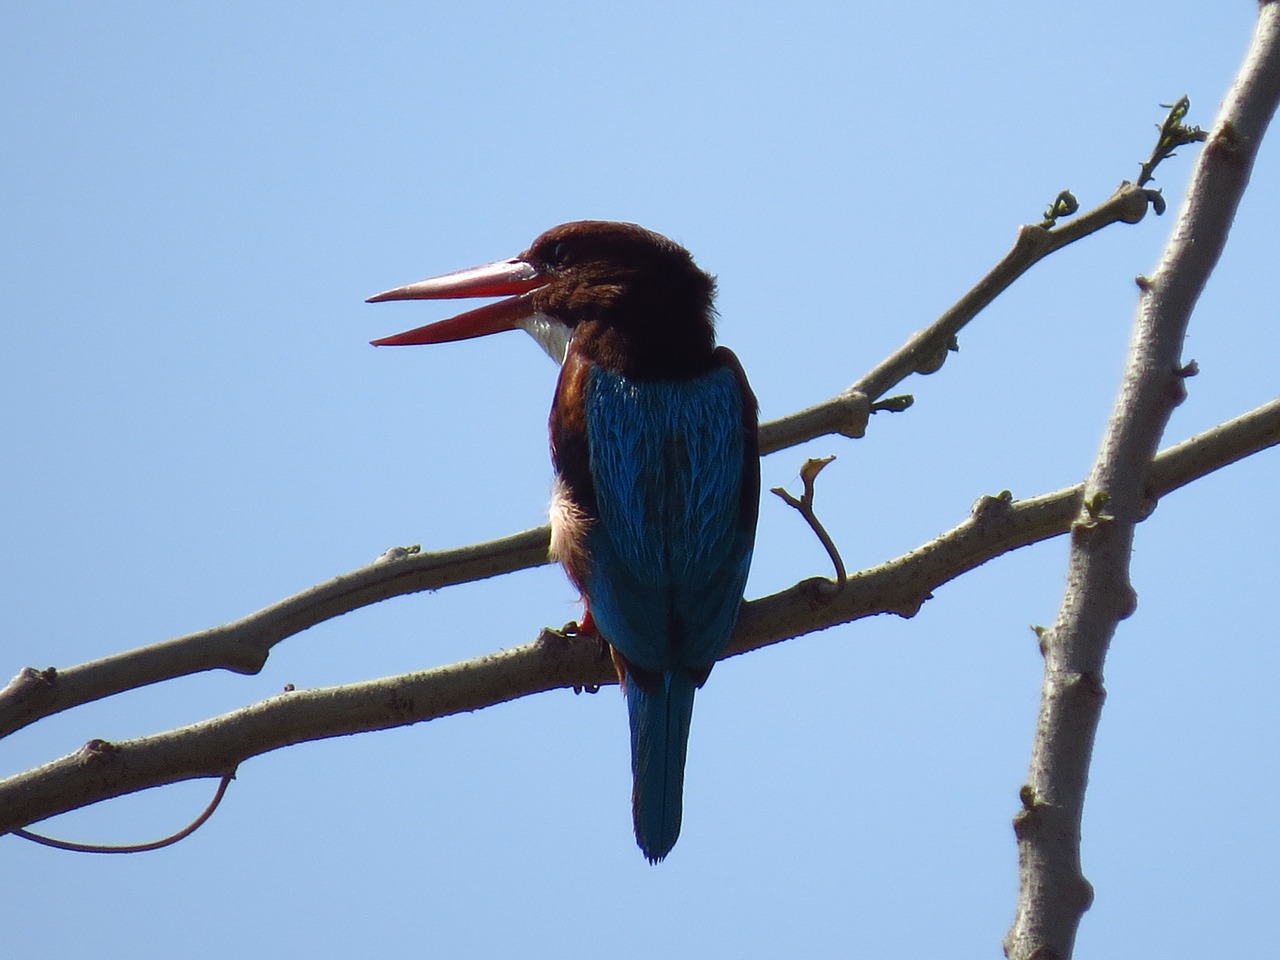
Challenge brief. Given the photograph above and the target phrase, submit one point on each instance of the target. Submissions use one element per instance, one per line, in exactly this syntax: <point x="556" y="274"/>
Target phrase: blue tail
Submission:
<point x="659" y="738"/>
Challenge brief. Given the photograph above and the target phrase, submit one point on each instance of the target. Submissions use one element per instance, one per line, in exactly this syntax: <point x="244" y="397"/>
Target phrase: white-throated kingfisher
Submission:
<point x="653" y="440"/>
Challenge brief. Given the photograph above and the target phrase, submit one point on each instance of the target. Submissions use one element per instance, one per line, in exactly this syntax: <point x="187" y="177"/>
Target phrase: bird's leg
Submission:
<point x="588" y="628"/>
<point x="585" y="628"/>
<point x="568" y="635"/>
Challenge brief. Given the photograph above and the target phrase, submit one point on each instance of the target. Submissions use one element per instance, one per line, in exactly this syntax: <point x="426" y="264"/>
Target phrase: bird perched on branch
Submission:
<point x="653" y="439"/>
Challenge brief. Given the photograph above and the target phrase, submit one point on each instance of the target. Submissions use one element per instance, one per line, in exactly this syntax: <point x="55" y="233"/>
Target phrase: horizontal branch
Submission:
<point x="215" y="747"/>
<point x="996" y="526"/>
<point x="243" y="645"/>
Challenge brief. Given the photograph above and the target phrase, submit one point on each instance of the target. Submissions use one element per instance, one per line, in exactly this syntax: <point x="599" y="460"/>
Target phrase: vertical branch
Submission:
<point x="1053" y="892"/>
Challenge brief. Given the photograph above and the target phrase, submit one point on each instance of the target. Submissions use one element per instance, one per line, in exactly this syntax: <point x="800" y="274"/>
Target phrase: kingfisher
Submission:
<point x="657" y="470"/>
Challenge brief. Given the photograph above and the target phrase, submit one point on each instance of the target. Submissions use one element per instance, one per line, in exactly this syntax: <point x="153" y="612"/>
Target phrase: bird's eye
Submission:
<point x="561" y="253"/>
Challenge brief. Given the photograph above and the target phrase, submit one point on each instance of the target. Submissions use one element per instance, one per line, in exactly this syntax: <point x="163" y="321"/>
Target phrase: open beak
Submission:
<point x="512" y="279"/>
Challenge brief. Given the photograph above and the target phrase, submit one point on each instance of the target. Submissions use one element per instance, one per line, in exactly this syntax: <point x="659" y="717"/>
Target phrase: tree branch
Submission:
<point x="243" y="645"/>
<point x="215" y="747"/>
<point x="1053" y="890"/>
<point x="847" y="412"/>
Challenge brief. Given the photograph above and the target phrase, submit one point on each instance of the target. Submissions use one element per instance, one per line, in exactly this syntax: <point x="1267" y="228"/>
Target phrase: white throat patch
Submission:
<point x="552" y="335"/>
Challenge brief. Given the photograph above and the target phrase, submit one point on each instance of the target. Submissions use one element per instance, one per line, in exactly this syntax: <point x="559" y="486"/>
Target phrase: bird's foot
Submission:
<point x="586" y="627"/>
<point x="574" y="630"/>
<point x="570" y="633"/>
<point x="565" y="634"/>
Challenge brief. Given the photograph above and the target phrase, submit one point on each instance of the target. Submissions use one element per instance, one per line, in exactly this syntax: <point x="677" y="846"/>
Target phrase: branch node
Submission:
<point x="893" y="404"/>
<point x="31" y="687"/>
<point x="96" y="750"/>
<point x="1095" y="515"/>
<point x="1172" y="135"/>
<point x="1127" y="599"/>
<point x="1227" y="139"/>
<point x="932" y="361"/>
<point x="392" y="554"/>
<point x="987" y="508"/>
<point x="854" y="409"/>
<point x="1096" y="507"/>
<point x="1089" y="684"/>
<point x="1131" y="202"/>
<point x="1027" y="796"/>
<point x="1043" y="635"/>
<point x="1064" y="205"/>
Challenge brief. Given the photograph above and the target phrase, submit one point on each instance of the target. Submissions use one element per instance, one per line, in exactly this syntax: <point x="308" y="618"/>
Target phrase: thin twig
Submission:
<point x="808" y="474"/>
<point x="168" y="841"/>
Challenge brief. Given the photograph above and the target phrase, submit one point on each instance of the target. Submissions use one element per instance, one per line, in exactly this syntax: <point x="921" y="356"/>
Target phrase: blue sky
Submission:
<point x="196" y="203"/>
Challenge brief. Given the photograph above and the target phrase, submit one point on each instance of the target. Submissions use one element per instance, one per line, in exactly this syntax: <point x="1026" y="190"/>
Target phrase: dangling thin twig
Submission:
<point x="133" y="847"/>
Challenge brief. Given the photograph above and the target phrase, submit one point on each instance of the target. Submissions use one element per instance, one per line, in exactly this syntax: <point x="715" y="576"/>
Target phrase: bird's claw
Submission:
<point x="563" y="635"/>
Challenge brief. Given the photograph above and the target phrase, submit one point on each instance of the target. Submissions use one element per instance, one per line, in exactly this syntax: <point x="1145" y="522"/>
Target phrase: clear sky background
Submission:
<point x="196" y="202"/>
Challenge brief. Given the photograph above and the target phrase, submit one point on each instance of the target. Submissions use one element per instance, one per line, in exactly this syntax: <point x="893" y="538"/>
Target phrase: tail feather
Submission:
<point x="659" y="740"/>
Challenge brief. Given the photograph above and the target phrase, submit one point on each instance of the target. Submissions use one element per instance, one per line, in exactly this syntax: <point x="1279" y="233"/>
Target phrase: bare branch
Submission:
<point x="216" y="747"/>
<point x="1053" y="890"/>
<point x="924" y="352"/>
<point x="243" y="646"/>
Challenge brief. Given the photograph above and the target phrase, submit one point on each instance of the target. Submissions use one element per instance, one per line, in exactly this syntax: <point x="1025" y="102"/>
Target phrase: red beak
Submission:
<point x="501" y="279"/>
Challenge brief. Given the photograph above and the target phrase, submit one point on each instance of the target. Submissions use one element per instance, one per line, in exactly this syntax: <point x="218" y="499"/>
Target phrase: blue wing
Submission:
<point x="674" y="476"/>
<point x="670" y="552"/>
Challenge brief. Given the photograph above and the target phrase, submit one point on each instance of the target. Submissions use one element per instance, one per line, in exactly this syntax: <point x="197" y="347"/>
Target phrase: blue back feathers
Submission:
<point x="669" y="555"/>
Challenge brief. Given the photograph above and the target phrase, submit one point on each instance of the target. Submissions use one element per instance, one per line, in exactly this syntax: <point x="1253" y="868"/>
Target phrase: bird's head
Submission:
<point x="630" y="297"/>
